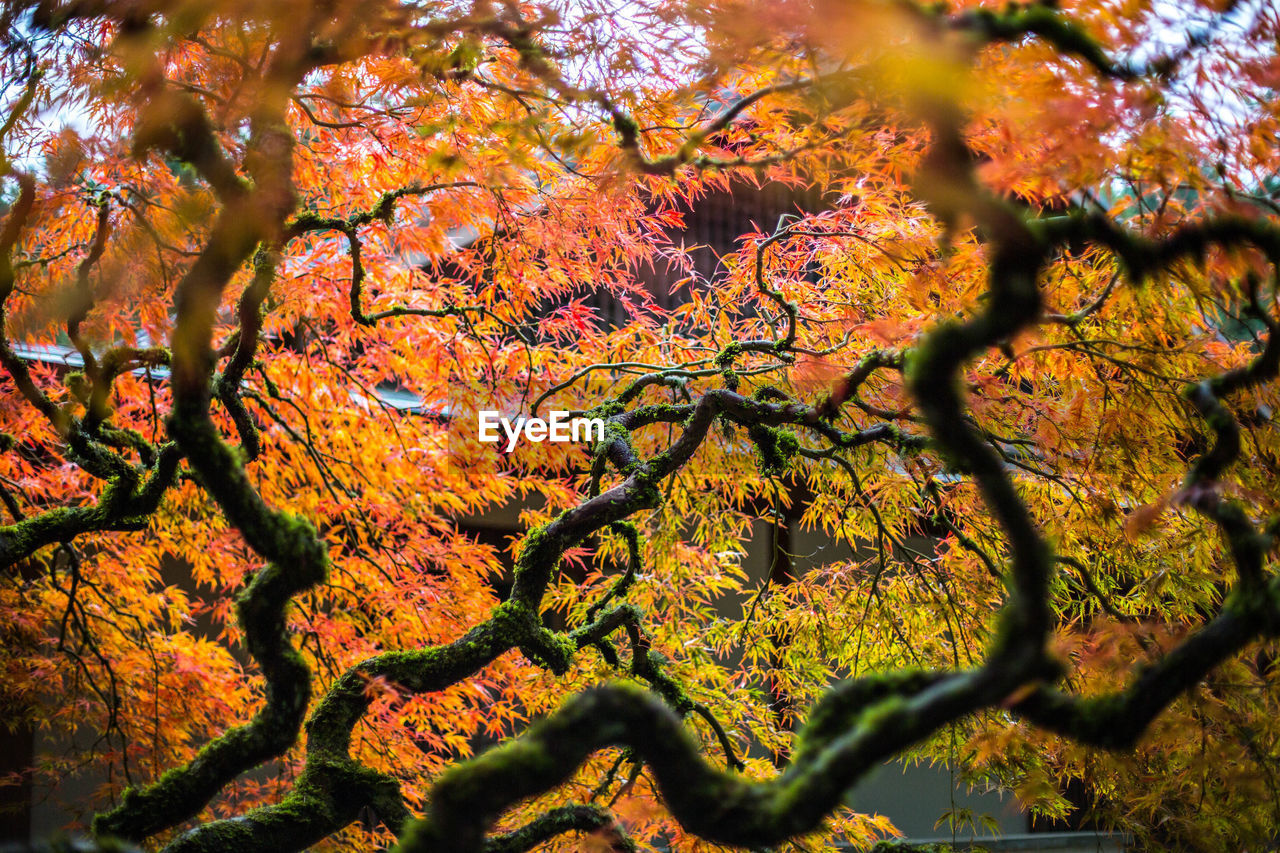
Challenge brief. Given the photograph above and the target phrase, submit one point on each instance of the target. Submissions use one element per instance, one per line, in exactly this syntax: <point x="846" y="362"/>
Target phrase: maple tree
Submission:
<point x="1032" y="319"/>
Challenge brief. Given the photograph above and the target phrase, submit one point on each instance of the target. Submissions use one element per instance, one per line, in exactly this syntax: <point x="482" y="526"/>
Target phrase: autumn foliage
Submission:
<point x="263" y="261"/>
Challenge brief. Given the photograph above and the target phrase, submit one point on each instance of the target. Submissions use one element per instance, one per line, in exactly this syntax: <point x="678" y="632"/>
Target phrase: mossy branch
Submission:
<point x="123" y="505"/>
<point x="573" y="817"/>
<point x="227" y="385"/>
<point x="297" y="557"/>
<point x="1117" y="720"/>
<point x="714" y="804"/>
<point x="133" y="492"/>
